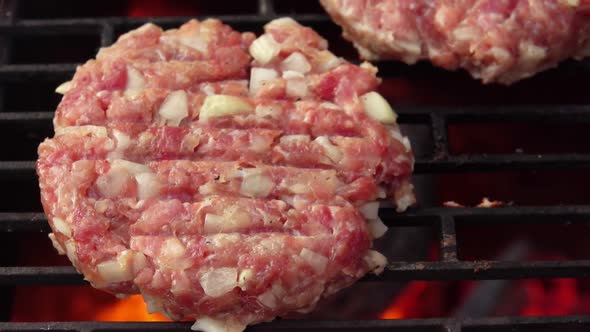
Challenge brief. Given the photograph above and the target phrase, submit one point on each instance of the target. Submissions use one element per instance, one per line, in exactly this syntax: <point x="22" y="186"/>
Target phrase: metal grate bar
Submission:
<point x="448" y="239"/>
<point x="21" y="73"/>
<point x="485" y="270"/>
<point x="439" y="136"/>
<point x="561" y="113"/>
<point x="265" y="7"/>
<point x="23" y="222"/>
<point x="523" y="324"/>
<point x="40" y="275"/>
<point x="107" y="35"/>
<point x="484" y="162"/>
<point x="33" y="222"/>
<point x="397" y="271"/>
<point x="26" y="116"/>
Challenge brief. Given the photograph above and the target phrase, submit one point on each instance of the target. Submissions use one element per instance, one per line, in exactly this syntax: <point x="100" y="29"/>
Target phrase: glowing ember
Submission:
<point x="551" y="298"/>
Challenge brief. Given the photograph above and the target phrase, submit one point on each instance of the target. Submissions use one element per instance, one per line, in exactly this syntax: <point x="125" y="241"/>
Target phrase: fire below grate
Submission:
<point x="27" y="101"/>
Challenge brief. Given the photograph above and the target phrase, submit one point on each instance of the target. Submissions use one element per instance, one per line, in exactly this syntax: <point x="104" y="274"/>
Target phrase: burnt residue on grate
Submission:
<point x="40" y="45"/>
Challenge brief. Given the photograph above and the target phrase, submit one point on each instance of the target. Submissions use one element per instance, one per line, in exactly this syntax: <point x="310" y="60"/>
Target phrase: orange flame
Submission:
<point x="130" y="309"/>
<point x="77" y="303"/>
<point x="405" y="303"/>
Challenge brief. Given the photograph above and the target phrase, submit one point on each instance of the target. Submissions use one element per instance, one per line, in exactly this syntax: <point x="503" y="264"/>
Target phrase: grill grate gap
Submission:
<point x="53" y="48"/>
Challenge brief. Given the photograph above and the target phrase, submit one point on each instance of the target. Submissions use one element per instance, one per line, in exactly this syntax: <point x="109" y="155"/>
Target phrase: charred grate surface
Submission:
<point x="562" y="324"/>
<point x="26" y="111"/>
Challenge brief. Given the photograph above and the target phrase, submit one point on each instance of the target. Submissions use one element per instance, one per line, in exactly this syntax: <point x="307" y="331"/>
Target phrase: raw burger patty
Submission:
<point x="495" y="40"/>
<point x="224" y="187"/>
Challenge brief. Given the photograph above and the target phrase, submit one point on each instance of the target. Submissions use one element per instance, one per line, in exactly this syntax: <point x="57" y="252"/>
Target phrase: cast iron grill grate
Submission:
<point x="27" y="101"/>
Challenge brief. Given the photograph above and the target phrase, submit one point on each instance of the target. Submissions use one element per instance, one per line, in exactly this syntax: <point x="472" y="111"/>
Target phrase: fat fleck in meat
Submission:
<point x="227" y="179"/>
<point x="495" y="40"/>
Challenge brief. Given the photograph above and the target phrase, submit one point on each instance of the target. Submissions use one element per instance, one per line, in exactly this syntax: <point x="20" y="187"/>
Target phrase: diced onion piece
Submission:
<point x="194" y="42"/>
<point x="71" y="251"/>
<point x="272" y="111"/>
<point x="213" y="223"/>
<point x="377" y="227"/>
<point x="239" y="219"/>
<point x="465" y="33"/>
<point x="259" y="76"/>
<point x="113" y="183"/>
<point x="88" y="130"/>
<point x="119" y="269"/>
<point x="61" y="226"/>
<point x="290" y="74"/>
<point x="260" y="144"/>
<point x="208" y="89"/>
<point x="570" y="3"/>
<point x="60" y="249"/>
<point x="207" y="324"/>
<point x="282" y="21"/>
<point x="404" y="197"/>
<point x="190" y="142"/>
<point x="64" y="87"/>
<point x="152" y="303"/>
<point x="330" y="105"/>
<point x="295" y="139"/>
<point x="219" y="281"/>
<point x="232" y="220"/>
<point x="135" y="82"/>
<point x="172" y="249"/>
<point x="123" y="141"/>
<point x="268" y="299"/>
<point x="148" y="185"/>
<point x="278" y="290"/>
<point x="378" y="108"/>
<point x="138" y="261"/>
<point x="172" y="255"/>
<point x="368" y="66"/>
<point x="131" y="167"/>
<point x="221" y="105"/>
<point x="174" y="108"/>
<point x="316" y="261"/>
<point x="326" y="60"/>
<point x="244" y="278"/>
<point x="296" y="88"/>
<point x="370" y="210"/>
<point x="376" y="261"/>
<point x="181" y="285"/>
<point x="208" y="188"/>
<point x="256" y="185"/>
<point x="296" y="62"/>
<point x="299" y="188"/>
<point x="264" y="49"/>
<point x="332" y="151"/>
<point x="112" y="271"/>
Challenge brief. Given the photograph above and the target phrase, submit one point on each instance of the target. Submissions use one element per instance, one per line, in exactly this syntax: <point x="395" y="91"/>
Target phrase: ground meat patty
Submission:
<point x="227" y="179"/>
<point x="495" y="40"/>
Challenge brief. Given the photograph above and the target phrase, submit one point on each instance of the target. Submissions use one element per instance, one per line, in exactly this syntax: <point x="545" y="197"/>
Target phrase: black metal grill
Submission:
<point x="27" y="104"/>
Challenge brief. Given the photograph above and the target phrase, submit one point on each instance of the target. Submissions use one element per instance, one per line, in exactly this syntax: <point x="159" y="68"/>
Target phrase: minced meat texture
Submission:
<point x="227" y="179"/>
<point x="495" y="40"/>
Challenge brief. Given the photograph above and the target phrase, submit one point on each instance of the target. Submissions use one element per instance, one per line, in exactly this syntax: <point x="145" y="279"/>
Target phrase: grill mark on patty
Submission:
<point x="168" y="143"/>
